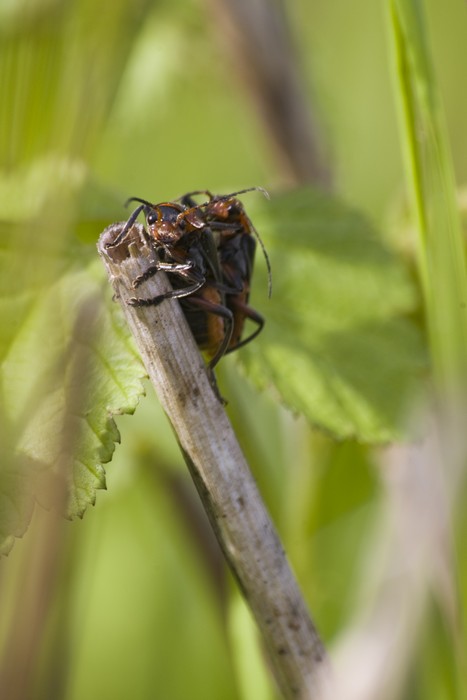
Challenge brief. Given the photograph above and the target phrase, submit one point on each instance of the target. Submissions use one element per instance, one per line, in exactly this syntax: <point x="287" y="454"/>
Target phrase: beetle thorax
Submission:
<point x="166" y="232"/>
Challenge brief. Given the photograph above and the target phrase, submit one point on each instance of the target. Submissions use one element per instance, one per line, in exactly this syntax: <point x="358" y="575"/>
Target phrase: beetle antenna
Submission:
<point x="263" y="247"/>
<point x="248" y="189"/>
<point x="211" y="196"/>
<point x="141" y="201"/>
<point x="266" y="257"/>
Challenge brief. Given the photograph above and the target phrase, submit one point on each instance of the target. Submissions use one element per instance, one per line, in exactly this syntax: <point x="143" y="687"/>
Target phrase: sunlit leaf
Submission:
<point x="338" y="344"/>
<point x="70" y="368"/>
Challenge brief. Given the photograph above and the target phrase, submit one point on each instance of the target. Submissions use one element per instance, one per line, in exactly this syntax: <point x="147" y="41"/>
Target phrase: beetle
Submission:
<point x="208" y="249"/>
<point x="186" y="249"/>
<point x="236" y="246"/>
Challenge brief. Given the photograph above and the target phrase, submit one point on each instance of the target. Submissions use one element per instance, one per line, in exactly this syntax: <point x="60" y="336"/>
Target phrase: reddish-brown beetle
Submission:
<point x="208" y="249"/>
<point x="235" y="240"/>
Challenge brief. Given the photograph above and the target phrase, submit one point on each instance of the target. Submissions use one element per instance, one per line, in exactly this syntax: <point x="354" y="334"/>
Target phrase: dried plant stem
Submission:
<point x="228" y="492"/>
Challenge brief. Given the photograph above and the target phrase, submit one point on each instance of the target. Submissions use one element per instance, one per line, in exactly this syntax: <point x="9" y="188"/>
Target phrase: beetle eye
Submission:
<point x="151" y="218"/>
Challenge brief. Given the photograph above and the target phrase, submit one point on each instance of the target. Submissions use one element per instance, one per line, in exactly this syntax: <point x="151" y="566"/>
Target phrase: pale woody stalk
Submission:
<point x="224" y="482"/>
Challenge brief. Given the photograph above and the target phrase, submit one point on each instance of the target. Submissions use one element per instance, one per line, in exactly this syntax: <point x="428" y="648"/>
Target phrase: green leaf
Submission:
<point x="338" y="344"/>
<point x="69" y="369"/>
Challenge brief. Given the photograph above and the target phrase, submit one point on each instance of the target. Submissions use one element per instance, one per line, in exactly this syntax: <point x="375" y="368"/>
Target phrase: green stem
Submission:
<point x="440" y="248"/>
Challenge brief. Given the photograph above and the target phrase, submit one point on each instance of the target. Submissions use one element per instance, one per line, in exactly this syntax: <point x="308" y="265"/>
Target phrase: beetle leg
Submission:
<point x="225" y="313"/>
<point x="250" y="313"/>
<point x="125" y="230"/>
<point x="170" y="294"/>
<point x="154" y="269"/>
<point x="187" y="199"/>
<point x="232" y="226"/>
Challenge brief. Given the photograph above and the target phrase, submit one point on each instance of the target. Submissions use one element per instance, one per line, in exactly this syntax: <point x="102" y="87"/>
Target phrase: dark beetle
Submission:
<point x="208" y="249"/>
<point x="236" y="245"/>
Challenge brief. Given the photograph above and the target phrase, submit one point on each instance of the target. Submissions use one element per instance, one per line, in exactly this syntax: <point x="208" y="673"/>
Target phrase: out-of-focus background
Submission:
<point x="101" y="101"/>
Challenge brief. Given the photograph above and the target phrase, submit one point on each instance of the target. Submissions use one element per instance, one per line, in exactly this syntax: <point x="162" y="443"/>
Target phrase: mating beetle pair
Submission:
<point x="208" y="249"/>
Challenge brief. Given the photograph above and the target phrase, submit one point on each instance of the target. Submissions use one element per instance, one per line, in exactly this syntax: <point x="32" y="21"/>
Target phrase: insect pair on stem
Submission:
<point x="208" y="250"/>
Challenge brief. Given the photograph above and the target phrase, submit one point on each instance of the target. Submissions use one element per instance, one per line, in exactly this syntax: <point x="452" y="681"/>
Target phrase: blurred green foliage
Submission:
<point x="138" y="98"/>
